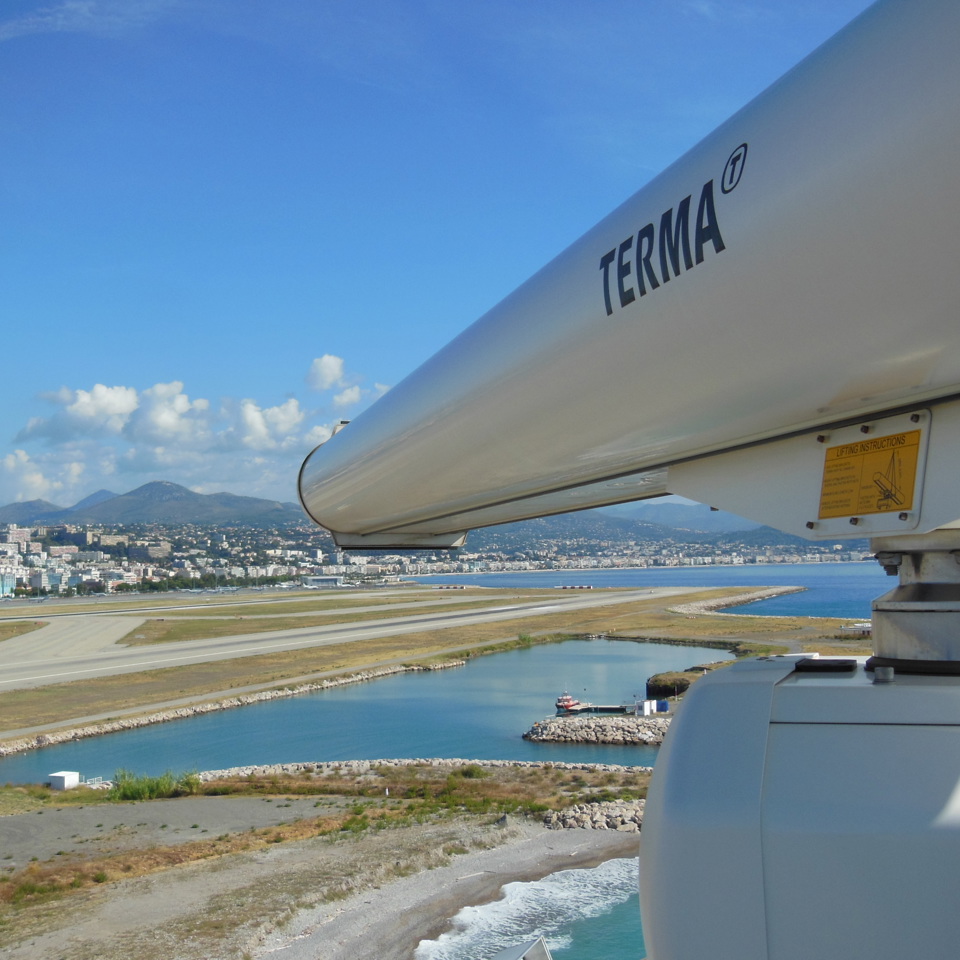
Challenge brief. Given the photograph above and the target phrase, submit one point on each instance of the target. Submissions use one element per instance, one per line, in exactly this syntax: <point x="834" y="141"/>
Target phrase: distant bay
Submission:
<point x="831" y="589"/>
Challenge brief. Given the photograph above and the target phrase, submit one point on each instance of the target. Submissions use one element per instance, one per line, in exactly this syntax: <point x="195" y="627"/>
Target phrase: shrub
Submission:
<point x="472" y="771"/>
<point x="355" y="824"/>
<point x="131" y="786"/>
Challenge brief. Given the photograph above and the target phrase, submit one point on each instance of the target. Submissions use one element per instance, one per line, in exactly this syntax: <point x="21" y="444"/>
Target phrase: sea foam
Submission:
<point x="543" y="908"/>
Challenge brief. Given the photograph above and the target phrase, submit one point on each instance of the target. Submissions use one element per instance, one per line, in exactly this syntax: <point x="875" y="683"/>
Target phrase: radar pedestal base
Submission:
<point x="797" y="814"/>
<point x="919" y="620"/>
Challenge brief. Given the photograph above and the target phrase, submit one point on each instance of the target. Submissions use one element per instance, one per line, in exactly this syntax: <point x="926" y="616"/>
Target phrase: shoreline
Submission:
<point x="429" y="577"/>
<point x="389" y="922"/>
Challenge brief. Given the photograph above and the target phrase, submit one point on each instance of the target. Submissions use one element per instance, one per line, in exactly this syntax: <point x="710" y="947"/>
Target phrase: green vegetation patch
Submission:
<point x="129" y="786"/>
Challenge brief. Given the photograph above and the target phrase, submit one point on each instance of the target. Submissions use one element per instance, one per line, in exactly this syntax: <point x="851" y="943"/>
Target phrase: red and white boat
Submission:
<point x="567" y="703"/>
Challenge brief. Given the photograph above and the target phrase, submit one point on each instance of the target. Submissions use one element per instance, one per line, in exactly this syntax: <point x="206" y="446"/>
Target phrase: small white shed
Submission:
<point x="64" y="780"/>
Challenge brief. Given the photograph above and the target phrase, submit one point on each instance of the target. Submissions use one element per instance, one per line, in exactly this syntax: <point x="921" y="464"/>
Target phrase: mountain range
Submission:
<point x="158" y="502"/>
<point x="165" y="503"/>
<point x="691" y="524"/>
<point x="681" y="516"/>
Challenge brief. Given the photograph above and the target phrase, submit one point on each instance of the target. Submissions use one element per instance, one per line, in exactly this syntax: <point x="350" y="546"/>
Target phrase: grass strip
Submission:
<point x="18" y="629"/>
<point x="187" y="627"/>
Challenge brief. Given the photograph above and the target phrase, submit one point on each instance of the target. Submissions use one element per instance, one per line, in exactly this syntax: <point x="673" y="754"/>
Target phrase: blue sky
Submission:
<point x="227" y="224"/>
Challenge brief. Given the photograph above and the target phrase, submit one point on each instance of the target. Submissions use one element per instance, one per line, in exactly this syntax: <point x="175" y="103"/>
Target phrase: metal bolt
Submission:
<point x="821" y="438"/>
<point x="810" y="524"/>
<point x="903" y="516"/>
<point x="890" y="562"/>
<point x="914" y="417"/>
<point x="854" y="520"/>
<point x="864" y="429"/>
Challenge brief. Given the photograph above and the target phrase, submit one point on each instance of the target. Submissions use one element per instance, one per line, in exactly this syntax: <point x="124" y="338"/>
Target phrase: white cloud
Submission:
<point x="257" y="433"/>
<point x="285" y="418"/>
<point x="27" y="477"/>
<point x="248" y="425"/>
<point x="108" y="407"/>
<point x="158" y="457"/>
<point x="167" y="414"/>
<point x="98" y="411"/>
<point x="119" y="437"/>
<point x="317" y="435"/>
<point x="347" y="397"/>
<point x="325" y="372"/>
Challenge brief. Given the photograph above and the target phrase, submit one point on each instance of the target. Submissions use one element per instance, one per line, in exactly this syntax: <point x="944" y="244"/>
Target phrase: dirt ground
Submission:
<point x="371" y="895"/>
<point x="112" y="828"/>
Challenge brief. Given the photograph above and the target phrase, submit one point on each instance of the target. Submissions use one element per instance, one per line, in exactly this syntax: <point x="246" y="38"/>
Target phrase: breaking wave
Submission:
<point x="544" y="908"/>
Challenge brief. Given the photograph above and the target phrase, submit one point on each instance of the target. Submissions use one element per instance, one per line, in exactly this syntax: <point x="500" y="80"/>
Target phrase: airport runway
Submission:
<point x="85" y="646"/>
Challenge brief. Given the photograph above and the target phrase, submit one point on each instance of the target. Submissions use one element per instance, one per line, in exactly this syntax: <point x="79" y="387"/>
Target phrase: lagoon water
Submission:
<point x="478" y="712"/>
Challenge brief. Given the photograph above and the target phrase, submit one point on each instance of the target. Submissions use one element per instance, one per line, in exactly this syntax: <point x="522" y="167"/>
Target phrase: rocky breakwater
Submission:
<point x="720" y="605"/>
<point x="361" y="768"/>
<point x="194" y="710"/>
<point x="625" y="729"/>
<point x="623" y="815"/>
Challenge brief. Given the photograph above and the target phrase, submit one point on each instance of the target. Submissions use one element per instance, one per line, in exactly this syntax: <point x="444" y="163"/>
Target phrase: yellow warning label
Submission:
<point x="870" y="476"/>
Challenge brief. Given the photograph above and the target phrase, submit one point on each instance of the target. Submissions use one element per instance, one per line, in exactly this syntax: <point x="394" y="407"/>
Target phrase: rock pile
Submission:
<point x="623" y="815"/>
<point x="595" y="728"/>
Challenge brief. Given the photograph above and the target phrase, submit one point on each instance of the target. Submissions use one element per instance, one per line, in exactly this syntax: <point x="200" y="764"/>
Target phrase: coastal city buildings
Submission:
<point x="68" y="560"/>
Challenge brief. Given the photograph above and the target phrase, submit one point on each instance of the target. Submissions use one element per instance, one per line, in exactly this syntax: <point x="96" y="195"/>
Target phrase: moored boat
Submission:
<point x="566" y="703"/>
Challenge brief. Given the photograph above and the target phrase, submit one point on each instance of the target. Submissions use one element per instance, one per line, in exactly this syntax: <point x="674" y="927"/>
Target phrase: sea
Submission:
<point x="479" y="711"/>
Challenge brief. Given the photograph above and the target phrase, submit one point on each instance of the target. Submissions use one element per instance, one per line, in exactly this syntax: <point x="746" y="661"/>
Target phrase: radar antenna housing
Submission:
<point x="771" y="327"/>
